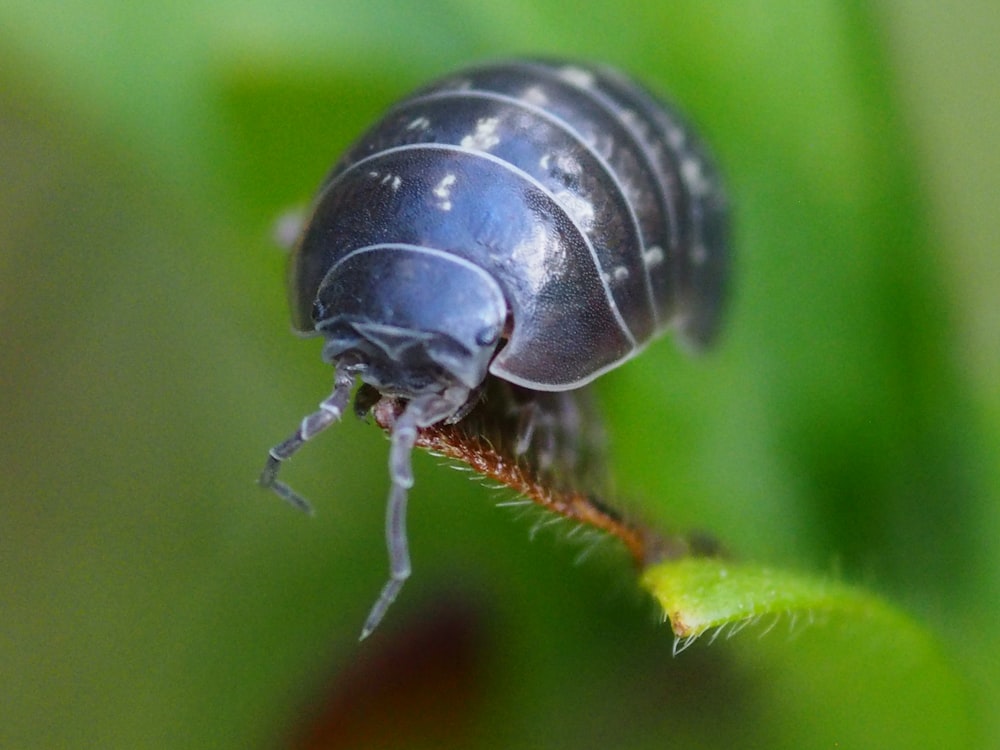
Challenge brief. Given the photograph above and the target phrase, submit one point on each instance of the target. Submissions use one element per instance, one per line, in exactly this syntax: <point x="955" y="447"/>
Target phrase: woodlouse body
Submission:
<point x="533" y="221"/>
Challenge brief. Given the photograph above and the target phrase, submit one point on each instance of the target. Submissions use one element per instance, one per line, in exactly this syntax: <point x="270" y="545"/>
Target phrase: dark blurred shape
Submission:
<point x="420" y="683"/>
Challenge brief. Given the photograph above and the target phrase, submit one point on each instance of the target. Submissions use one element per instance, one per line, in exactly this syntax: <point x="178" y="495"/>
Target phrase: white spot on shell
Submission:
<point x="392" y="180"/>
<point x="420" y="123"/>
<point x="537" y="256"/>
<point x="568" y="164"/>
<point x="442" y="191"/>
<point x="535" y="95"/>
<point x="675" y="137"/>
<point x="484" y="137"/>
<point x="617" y="274"/>
<point x="694" y="177"/>
<point x="698" y="254"/>
<point x="577" y="76"/>
<point x="653" y="256"/>
<point x="564" y="171"/>
<point x="580" y="209"/>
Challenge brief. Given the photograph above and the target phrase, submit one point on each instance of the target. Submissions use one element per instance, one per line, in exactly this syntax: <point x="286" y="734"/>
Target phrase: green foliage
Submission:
<point x="848" y="422"/>
<point x="836" y="629"/>
<point x="709" y="595"/>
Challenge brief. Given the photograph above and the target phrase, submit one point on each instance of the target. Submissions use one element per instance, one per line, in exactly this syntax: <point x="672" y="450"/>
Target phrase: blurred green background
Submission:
<point x="848" y="424"/>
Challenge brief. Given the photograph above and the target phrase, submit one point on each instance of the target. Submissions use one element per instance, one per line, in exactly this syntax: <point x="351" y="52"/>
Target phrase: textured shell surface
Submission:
<point x="590" y="202"/>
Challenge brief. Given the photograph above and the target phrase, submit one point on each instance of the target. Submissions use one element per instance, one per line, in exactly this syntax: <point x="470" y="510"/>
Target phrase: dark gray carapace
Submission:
<point x="534" y="221"/>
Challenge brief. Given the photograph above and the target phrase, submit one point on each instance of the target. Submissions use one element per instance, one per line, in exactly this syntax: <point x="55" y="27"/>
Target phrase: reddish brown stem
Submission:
<point x="453" y="441"/>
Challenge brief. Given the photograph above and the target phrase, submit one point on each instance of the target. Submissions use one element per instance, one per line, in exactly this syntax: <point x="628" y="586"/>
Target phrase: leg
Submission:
<point x="558" y="435"/>
<point x="329" y="412"/>
<point x="404" y="433"/>
<point x="399" y="558"/>
<point x="420" y="412"/>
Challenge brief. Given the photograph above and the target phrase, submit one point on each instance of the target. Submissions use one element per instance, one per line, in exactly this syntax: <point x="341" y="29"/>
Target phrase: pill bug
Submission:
<point x="534" y="222"/>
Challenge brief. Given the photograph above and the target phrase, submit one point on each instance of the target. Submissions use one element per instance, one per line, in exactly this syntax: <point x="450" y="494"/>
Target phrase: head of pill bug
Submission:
<point x="415" y="320"/>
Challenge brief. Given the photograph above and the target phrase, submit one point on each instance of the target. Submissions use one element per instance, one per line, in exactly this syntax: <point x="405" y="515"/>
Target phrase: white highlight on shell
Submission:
<point x="577" y="76"/>
<point x="617" y="274"/>
<point x="576" y="205"/>
<point x="565" y="162"/>
<point x="675" y="136"/>
<point x="653" y="256"/>
<point x="602" y="145"/>
<point x="442" y="191"/>
<point x="568" y="164"/>
<point x="537" y="256"/>
<point x="392" y="180"/>
<point x="629" y="118"/>
<point x="580" y="209"/>
<point x="698" y="254"/>
<point x="484" y="137"/>
<point x="420" y="123"/>
<point x="535" y="95"/>
<point x="694" y="177"/>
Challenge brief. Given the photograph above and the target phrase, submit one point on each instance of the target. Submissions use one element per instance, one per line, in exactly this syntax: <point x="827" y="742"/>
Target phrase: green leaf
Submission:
<point x="815" y="642"/>
<point x="700" y="595"/>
